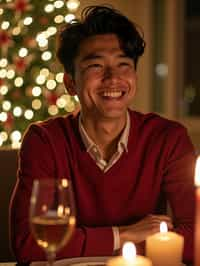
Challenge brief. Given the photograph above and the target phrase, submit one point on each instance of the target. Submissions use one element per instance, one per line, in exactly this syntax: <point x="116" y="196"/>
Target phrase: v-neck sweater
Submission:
<point x="159" y="165"/>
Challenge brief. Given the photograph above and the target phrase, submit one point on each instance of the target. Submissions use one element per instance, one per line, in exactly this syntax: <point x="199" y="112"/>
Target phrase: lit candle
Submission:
<point x="197" y="219"/>
<point x="165" y="248"/>
<point x="129" y="257"/>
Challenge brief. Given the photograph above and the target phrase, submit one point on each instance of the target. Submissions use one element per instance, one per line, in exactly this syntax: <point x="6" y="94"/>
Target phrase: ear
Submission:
<point x="69" y="84"/>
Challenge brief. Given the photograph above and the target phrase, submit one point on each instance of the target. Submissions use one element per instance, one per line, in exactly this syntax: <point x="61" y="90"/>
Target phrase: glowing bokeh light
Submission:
<point x="53" y="110"/>
<point x="28" y="114"/>
<point x="28" y="21"/>
<point x="6" y="105"/>
<point x="51" y="84"/>
<point x="36" y="104"/>
<point x="46" y="56"/>
<point x="73" y="5"/>
<point x="18" y="81"/>
<point x="17" y="111"/>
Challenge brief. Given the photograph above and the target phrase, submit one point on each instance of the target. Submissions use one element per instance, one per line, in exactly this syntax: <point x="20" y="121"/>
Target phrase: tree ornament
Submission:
<point x="5" y="39"/>
<point x="20" y="64"/>
<point x="21" y="5"/>
<point x="52" y="98"/>
<point x="8" y="124"/>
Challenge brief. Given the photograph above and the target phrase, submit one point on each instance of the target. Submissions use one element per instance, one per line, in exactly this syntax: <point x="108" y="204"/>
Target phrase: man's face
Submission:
<point x="105" y="77"/>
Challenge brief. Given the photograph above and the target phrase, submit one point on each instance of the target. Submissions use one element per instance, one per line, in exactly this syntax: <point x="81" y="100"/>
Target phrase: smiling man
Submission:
<point x="123" y="164"/>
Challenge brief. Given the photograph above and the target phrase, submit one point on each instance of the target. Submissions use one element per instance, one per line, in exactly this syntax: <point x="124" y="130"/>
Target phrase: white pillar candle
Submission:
<point x="197" y="216"/>
<point x="129" y="257"/>
<point x="165" y="248"/>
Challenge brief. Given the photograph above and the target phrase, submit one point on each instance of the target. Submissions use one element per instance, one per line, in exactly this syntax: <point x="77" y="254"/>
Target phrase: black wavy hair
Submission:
<point x="98" y="20"/>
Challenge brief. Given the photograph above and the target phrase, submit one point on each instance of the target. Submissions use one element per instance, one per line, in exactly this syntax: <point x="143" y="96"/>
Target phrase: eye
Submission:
<point x="94" y="65"/>
<point x="125" y="64"/>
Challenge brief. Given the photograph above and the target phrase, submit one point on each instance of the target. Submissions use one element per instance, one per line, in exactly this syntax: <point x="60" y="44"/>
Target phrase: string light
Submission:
<point x="46" y="56"/>
<point x="28" y="114"/>
<point x="51" y="30"/>
<point x="66" y="98"/>
<point x="23" y="52"/>
<point x="36" y="104"/>
<point x="4" y="136"/>
<point x="16" y="145"/>
<point x="58" y="4"/>
<point x="40" y="37"/>
<point x="10" y="74"/>
<point x="49" y="8"/>
<point x="3" y="73"/>
<point x="28" y="21"/>
<point x="18" y="81"/>
<point x="40" y="79"/>
<point x="16" y="31"/>
<point x="43" y="43"/>
<point x="59" y="19"/>
<point x="69" y="18"/>
<point x="6" y="105"/>
<point x="76" y="98"/>
<point x="73" y="5"/>
<point x="5" y="25"/>
<point x="44" y="72"/>
<point x="61" y="102"/>
<point x="17" y="111"/>
<point x="3" y="62"/>
<point x="53" y="110"/>
<point x="36" y="91"/>
<point x="3" y="90"/>
<point x="15" y="84"/>
<point x="59" y="77"/>
<point x="51" y="84"/>
<point x="3" y="116"/>
<point x="15" y="136"/>
<point x="70" y="107"/>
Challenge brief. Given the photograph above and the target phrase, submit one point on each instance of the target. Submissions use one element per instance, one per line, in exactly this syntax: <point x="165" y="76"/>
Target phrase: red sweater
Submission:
<point x="159" y="164"/>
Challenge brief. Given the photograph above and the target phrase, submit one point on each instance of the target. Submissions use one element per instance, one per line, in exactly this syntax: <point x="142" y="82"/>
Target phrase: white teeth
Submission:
<point x="113" y="94"/>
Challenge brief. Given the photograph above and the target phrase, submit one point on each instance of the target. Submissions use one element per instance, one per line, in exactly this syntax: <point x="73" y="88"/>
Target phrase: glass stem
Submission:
<point x="51" y="257"/>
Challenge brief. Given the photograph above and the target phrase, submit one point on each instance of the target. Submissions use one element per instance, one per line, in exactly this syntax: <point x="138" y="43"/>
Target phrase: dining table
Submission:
<point x="80" y="261"/>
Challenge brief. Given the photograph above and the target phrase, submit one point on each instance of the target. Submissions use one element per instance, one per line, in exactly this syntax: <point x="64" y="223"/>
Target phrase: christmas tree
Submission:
<point x="31" y="79"/>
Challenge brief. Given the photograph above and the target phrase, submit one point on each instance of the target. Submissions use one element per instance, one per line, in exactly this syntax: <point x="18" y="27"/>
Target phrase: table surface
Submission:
<point x="83" y="261"/>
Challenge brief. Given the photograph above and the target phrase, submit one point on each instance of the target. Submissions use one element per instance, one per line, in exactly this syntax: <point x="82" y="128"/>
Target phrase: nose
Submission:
<point x="110" y="73"/>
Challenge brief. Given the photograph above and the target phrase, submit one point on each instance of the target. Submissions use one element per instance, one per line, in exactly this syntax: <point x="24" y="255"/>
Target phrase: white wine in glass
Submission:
<point x="52" y="214"/>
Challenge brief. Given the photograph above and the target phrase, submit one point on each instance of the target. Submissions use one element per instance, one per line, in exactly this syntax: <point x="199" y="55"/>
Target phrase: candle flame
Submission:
<point x="64" y="183"/>
<point x="163" y="227"/>
<point x="129" y="251"/>
<point x="60" y="210"/>
<point x="197" y="172"/>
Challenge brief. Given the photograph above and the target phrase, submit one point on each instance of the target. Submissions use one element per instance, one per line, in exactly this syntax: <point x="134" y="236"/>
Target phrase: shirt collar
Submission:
<point x="89" y="143"/>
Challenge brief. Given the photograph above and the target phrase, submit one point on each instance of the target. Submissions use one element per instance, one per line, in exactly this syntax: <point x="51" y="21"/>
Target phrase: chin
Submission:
<point x="115" y="114"/>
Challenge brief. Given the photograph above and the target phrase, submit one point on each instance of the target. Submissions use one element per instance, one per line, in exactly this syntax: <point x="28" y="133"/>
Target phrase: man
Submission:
<point x="122" y="163"/>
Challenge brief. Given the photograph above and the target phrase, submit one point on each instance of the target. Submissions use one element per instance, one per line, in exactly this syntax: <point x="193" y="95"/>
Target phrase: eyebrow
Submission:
<point x="92" y="56"/>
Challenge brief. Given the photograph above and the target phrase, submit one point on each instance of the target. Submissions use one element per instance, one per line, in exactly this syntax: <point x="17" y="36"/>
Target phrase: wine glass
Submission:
<point x="52" y="214"/>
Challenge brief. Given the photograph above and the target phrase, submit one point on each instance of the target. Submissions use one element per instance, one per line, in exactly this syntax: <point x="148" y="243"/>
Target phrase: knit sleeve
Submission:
<point x="37" y="160"/>
<point x="179" y="186"/>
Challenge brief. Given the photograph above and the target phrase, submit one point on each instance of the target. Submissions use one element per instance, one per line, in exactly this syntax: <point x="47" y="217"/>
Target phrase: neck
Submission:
<point x="105" y="134"/>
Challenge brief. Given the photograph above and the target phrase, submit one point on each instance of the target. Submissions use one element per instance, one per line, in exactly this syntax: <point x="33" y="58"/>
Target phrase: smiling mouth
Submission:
<point x="112" y="94"/>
